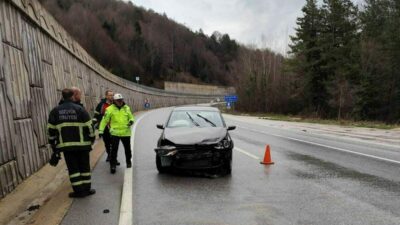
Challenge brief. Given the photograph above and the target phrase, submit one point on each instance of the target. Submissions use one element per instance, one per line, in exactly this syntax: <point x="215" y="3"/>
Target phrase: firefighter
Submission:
<point x="70" y="131"/>
<point x="98" y="114"/>
<point x="120" y="118"/>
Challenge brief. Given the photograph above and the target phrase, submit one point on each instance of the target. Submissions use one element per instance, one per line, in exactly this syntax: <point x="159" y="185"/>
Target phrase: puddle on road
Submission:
<point x="325" y="170"/>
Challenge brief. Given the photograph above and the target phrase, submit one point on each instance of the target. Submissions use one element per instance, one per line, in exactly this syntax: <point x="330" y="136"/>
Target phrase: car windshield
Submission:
<point x="195" y="118"/>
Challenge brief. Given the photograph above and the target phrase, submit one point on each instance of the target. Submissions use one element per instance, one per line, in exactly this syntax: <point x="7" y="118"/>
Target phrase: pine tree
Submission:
<point x="393" y="46"/>
<point x="340" y="55"/>
<point x="369" y="98"/>
<point x="306" y="50"/>
<point x="379" y="94"/>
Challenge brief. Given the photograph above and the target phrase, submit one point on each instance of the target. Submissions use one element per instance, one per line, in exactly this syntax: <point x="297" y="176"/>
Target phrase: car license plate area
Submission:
<point x="198" y="159"/>
<point x="204" y="163"/>
<point x="194" y="155"/>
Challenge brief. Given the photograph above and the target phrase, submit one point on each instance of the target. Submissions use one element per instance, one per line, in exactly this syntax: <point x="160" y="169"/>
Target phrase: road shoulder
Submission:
<point x="43" y="197"/>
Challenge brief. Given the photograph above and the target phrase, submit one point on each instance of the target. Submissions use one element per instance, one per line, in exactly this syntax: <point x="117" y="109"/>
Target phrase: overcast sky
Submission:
<point x="264" y="23"/>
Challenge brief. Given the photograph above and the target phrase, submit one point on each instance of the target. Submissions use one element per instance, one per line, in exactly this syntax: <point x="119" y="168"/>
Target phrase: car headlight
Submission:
<point x="164" y="150"/>
<point x="167" y="147"/>
<point x="224" y="144"/>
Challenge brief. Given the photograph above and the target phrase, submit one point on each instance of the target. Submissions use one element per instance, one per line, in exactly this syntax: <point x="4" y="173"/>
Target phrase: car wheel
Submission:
<point x="227" y="163"/>
<point x="160" y="168"/>
<point x="227" y="167"/>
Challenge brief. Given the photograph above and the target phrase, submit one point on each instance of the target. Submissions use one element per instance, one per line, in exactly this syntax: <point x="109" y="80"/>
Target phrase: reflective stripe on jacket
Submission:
<point x="70" y="128"/>
<point x="119" y="119"/>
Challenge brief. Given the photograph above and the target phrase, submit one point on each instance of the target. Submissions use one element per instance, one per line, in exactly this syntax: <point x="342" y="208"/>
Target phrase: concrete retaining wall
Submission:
<point x="38" y="58"/>
<point x="198" y="89"/>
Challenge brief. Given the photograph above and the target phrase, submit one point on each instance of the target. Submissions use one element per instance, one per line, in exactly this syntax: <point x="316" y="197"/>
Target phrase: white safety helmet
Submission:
<point x="118" y="96"/>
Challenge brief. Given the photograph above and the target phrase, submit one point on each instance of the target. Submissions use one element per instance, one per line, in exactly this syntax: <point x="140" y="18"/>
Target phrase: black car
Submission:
<point x="195" y="138"/>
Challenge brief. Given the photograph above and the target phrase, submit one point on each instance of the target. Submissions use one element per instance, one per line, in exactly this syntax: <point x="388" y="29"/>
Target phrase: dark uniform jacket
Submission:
<point x="98" y="114"/>
<point x="70" y="128"/>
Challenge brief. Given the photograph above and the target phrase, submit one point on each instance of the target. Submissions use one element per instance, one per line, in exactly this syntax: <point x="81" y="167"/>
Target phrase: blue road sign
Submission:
<point x="231" y="98"/>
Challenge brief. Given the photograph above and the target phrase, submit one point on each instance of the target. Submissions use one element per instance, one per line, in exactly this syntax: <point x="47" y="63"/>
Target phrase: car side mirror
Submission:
<point x="160" y="126"/>
<point x="231" y="127"/>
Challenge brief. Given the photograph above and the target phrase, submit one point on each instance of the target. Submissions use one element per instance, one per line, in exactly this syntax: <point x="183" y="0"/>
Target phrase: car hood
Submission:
<point x="189" y="136"/>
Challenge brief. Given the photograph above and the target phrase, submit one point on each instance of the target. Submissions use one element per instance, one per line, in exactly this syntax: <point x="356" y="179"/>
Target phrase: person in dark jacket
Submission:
<point x="70" y="131"/>
<point x="98" y="116"/>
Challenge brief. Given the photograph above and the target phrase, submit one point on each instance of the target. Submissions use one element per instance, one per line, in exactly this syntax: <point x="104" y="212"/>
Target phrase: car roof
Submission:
<point x="197" y="108"/>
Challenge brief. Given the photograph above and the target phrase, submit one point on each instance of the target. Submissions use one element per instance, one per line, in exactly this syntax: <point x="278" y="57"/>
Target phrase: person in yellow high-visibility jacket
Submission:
<point x="120" y="118"/>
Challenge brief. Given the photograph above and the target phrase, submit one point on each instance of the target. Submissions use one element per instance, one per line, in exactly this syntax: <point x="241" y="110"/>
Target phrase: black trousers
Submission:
<point x="126" y="141"/>
<point x="107" y="140"/>
<point x="78" y="164"/>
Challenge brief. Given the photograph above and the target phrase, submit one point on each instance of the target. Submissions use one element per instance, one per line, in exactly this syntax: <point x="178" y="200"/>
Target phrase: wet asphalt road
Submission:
<point x="310" y="183"/>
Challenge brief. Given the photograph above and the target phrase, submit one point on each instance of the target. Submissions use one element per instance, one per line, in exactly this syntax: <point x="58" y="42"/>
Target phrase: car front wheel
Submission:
<point x="227" y="163"/>
<point x="160" y="168"/>
<point x="227" y="166"/>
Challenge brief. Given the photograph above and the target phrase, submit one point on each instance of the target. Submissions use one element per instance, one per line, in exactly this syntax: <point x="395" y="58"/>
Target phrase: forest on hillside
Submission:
<point x="344" y="61"/>
<point x="131" y="41"/>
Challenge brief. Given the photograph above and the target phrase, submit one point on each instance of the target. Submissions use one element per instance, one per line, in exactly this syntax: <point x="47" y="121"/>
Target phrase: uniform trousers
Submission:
<point x="126" y="141"/>
<point x="78" y="165"/>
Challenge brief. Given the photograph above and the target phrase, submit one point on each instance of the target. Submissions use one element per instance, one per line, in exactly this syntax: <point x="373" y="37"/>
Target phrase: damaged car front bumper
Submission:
<point x="192" y="157"/>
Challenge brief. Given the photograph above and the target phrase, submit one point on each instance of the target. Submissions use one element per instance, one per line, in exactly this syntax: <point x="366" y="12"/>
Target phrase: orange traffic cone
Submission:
<point x="267" y="157"/>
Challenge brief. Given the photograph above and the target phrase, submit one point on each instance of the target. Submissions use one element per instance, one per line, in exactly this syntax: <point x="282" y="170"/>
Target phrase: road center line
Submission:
<point x="246" y="153"/>
<point x="126" y="209"/>
<point x="322" y="145"/>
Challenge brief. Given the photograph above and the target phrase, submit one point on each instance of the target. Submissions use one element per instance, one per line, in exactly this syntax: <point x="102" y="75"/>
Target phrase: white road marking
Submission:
<point x="243" y="120"/>
<point x="126" y="209"/>
<point x="125" y="213"/>
<point x="246" y="153"/>
<point x="325" y="146"/>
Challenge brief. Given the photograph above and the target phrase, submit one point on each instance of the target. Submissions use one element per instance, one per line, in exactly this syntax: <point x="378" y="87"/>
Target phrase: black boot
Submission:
<point x="76" y="194"/>
<point x="113" y="169"/>
<point x="90" y="192"/>
<point x="108" y="158"/>
<point x="129" y="164"/>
